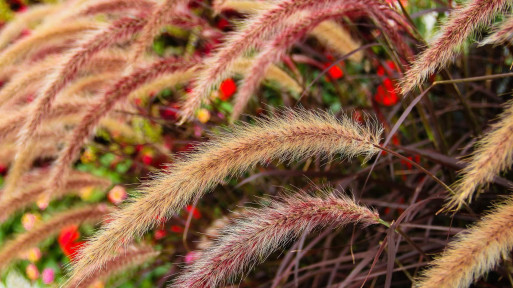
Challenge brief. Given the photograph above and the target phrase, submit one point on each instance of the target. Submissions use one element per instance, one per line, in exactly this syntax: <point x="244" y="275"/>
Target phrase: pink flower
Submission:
<point x="195" y="213"/>
<point x="32" y="272"/>
<point x="43" y="201"/>
<point x="33" y="255"/>
<point x="48" y="275"/>
<point x="28" y="220"/>
<point x="117" y="194"/>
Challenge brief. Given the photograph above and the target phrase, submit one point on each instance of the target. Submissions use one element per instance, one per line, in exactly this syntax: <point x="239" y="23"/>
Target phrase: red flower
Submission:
<point x="68" y="241"/>
<point x="147" y="159"/>
<point x="195" y="213"/>
<point x="391" y="68"/>
<point x="176" y="229"/>
<point x="159" y="234"/>
<point x="228" y="88"/>
<point x="68" y="235"/>
<point x="386" y="93"/>
<point x="335" y="72"/>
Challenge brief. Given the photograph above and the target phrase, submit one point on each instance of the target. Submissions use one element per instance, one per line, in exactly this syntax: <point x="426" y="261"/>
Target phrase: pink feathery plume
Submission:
<point x="275" y="50"/>
<point x="460" y="25"/>
<point x="65" y="73"/>
<point x="100" y="109"/>
<point x="111" y="6"/>
<point x="259" y="232"/>
<point x="254" y="32"/>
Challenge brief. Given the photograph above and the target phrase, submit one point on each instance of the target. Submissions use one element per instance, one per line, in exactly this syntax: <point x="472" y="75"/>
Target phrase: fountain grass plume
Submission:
<point x="461" y="23"/>
<point x="74" y="61"/>
<point x="273" y="73"/>
<point x="116" y="6"/>
<point x="23" y="21"/>
<point x="241" y="66"/>
<point x="330" y="33"/>
<point x="21" y="48"/>
<point x="45" y="229"/>
<point x="117" y="92"/>
<point x="291" y="136"/>
<point x="273" y="51"/>
<point x="65" y="73"/>
<point x="44" y="150"/>
<point x="34" y="191"/>
<point x="133" y="256"/>
<point x="254" y="31"/>
<point x="259" y="232"/>
<point x="34" y="75"/>
<point x="503" y="33"/>
<point x="494" y="153"/>
<point x="474" y="252"/>
<point x="10" y="124"/>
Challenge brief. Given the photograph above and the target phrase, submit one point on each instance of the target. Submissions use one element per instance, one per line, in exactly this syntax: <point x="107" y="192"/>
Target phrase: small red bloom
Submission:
<point x="176" y="229"/>
<point x="68" y="241"/>
<point x="228" y="88"/>
<point x="195" y="213"/>
<point x="68" y="235"/>
<point x="391" y="68"/>
<point x="71" y="250"/>
<point x="386" y="93"/>
<point x="395" y="140"/>
<point x="147" y="159"/>
<point x="159" y="234"/>
<point x="335" y="72"/>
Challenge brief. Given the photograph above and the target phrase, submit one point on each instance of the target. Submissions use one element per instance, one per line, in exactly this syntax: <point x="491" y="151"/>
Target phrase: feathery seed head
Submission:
<point x="474" y="252"/>
<point x="494" y="153"/>
<point x="460" y="25"/>
<point x="292" y="136"/>
<point x="132" y="256"/>
<point x="258" y="232"/>
<point x="120" y="90"/>
<point x="45" y="229"/>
